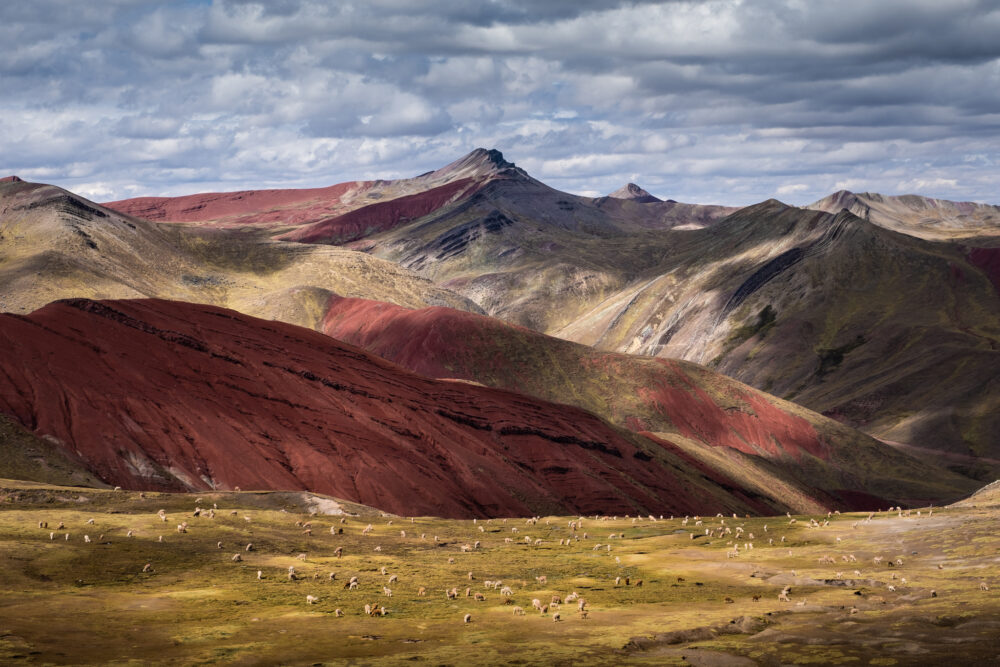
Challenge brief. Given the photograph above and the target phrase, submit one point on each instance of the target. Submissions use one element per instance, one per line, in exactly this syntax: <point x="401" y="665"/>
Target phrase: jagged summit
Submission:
<point x="833" y="203"/>
<point x="635" y="193"/>
<point x="479" y="163"/>
<point x="489" y="156"/>
<point x="11" y="179"/>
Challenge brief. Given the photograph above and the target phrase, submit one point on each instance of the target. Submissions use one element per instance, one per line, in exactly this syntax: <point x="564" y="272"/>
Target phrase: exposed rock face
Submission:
<point x="834" y="465"/>
<point x="154" y="394"/>
<point x="635" y="193"/>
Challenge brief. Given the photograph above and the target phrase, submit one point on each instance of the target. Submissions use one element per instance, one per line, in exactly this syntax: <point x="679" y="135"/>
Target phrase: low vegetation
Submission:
<point x="102" y="576"/>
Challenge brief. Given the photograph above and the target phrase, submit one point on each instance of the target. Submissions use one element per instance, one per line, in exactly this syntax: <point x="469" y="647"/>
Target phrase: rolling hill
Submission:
<point x="161" y="395"/>
<point x="714" y="417"/>
<point x="55" y="245"/>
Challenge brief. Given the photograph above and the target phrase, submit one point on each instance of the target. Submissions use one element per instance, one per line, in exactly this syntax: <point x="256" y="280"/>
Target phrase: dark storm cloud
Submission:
<point x="723" y="101"/>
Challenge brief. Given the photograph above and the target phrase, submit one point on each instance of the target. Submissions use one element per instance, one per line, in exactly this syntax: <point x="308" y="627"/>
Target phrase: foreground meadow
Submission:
<point x="95" y="576"/>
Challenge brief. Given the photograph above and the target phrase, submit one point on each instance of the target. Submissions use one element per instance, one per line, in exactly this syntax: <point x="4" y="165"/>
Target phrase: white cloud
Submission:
<point x="721" y="101"/>
<point x="791" y="188"/>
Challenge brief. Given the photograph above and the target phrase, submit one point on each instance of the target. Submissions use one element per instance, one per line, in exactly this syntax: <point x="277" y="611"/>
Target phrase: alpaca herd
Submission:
<point x="498" y="594"/>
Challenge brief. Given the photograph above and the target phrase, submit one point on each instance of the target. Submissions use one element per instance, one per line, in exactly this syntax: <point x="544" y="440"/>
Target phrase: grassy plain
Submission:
<point x="73" y="602"/>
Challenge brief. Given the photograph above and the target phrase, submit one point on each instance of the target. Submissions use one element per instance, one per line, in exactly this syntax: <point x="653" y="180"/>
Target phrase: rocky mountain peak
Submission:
<point x="633" y="192"/>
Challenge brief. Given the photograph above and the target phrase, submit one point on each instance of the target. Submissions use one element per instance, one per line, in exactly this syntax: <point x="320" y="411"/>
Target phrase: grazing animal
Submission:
<point x="468" y="618"/>
<point x="148" y="567"/>
<point x="556" y="617"/>
<point x="237" y="558"/>
<point x="338" y="612"/>
<point x="260" y="575"/>
<point x="983" y="586"/>
<point x="311" y="599"/>
<point x="518" y="611"/>
<point x="783" y="595"/>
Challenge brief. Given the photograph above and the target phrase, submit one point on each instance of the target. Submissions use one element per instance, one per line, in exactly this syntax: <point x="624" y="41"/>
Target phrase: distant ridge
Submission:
<point x="916" y="215"/>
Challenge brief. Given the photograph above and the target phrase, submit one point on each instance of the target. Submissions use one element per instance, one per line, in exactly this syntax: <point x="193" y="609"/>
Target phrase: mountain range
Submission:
<point x="881" y="312"/>
<point x="482" y="344"/>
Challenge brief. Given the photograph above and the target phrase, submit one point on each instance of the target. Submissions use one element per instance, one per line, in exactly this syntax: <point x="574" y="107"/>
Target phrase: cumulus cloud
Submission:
<point x="717" y="101"/>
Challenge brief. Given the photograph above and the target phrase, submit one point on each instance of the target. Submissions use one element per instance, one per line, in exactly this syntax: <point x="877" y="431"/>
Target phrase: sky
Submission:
<point x="728" y="102"/>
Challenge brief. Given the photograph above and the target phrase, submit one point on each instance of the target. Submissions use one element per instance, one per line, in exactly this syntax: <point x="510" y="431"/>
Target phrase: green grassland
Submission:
<point x="68" y="601"/>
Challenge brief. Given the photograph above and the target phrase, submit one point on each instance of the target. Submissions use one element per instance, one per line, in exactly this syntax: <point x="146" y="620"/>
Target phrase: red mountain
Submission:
<point x="154" y="394"/>
<point x="249" y="207"/>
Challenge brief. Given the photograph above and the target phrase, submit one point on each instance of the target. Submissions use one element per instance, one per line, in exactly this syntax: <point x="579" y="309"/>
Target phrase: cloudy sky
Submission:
<point x="716" y="102"/>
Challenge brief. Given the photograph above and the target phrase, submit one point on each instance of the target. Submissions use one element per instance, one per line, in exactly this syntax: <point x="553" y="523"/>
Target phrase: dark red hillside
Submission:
<point x="381" y="216"/>
<point x="287" y="206"/>
<point x="668" y="396"/>
<point x="156" y="394"/>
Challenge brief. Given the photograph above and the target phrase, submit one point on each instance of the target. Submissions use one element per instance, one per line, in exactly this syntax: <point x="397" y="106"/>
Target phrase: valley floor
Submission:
<point x="70" y="601"/>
